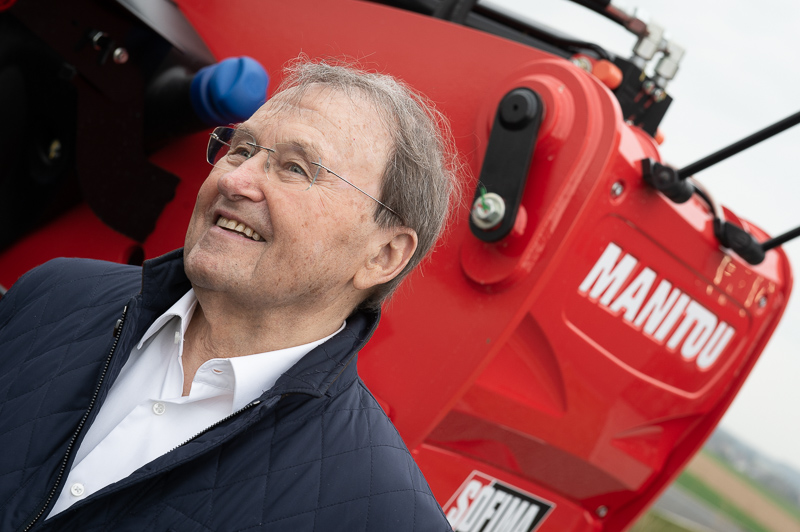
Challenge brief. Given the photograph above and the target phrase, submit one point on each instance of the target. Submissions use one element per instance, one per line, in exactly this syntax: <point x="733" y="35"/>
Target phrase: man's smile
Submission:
<point x="238" y="227"/>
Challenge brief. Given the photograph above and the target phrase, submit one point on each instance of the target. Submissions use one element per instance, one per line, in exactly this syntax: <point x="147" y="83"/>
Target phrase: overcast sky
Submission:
<point x="740" y="74"/>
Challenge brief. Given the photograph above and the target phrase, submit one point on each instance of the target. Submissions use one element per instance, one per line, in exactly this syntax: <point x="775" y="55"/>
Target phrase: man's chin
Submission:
<point x="204" y="270"/>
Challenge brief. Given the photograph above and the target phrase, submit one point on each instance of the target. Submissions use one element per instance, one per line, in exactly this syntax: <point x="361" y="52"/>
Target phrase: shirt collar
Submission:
<point x="183" y="309"/>
<point x="255" y="374"/>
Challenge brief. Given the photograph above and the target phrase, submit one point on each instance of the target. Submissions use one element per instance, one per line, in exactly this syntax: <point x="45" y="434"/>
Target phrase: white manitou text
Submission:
<point x="700" y="334"/>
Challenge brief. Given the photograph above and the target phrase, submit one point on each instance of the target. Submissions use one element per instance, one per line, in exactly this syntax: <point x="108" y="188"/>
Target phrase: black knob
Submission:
<point x="518" y="108"/>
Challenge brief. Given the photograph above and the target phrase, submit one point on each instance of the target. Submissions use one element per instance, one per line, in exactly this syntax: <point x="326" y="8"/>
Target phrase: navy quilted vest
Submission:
<point x="315" y="452"/>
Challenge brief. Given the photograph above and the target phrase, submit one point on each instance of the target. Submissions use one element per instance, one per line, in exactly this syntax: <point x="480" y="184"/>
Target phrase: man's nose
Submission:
<point x="244" y="182"/>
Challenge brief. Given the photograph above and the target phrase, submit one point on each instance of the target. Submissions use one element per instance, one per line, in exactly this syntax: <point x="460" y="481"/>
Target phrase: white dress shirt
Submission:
<point x="145" y="415"/>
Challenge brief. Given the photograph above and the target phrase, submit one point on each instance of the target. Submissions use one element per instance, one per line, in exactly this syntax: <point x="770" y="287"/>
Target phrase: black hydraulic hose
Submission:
<point x="706" y="197"/>
<point x="780" y="239"/>
<point x="462" y="11"/>
<point x="444" y="9"/>
<point x="600" y="4"/>
<point x="741" y="145"/>
<point x="454" y="10"/>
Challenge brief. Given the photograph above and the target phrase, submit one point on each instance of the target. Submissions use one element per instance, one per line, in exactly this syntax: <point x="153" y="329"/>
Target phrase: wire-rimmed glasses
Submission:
<point x="288" y="164"/>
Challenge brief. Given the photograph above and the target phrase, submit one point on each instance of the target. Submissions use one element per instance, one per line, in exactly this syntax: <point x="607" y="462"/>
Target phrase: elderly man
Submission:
<point x="215" y="388"/>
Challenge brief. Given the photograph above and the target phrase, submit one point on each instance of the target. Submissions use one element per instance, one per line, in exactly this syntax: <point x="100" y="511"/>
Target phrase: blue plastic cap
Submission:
<point x="230" y="91"/>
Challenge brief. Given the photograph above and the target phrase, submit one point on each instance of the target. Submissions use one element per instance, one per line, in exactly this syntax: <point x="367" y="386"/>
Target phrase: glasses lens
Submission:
<point x="218" y="144"/>
<point x="293" y="166"/>
<point x="228" y="147"/>
<point x="287" y="164"/>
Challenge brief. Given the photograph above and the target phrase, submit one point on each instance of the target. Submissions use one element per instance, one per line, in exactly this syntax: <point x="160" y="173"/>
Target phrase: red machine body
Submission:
<point x="560" y="378"/>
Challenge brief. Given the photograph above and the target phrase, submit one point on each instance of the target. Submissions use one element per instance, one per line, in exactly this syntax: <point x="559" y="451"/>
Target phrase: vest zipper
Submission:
<point x="223" y="420"/>
<point x="65" y="460"/>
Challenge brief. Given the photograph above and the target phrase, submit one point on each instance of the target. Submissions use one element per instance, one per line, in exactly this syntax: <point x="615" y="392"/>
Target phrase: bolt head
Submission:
<point x="762" y="302"/>
<point x="485" y="211"/>
<point x="617" y="189"/>
<point x="121" y="56"/>
<point x="488" y="211"/>
<point x="99" y="40"/>
<point x="582" y="63"/>
<point x="601" y="511"/>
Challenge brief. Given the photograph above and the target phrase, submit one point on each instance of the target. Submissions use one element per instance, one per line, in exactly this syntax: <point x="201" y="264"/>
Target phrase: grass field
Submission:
<point x="740" y="496"/>
<point x="653" y="521"/>
<point x="787" y="506"/>
<point x="702" y="491"/>
<point x="740" y="499"/>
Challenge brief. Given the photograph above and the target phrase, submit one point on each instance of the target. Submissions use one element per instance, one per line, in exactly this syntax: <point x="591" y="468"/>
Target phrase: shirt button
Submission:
<point x="77" y="489"/>
<point x="159" y="408"/>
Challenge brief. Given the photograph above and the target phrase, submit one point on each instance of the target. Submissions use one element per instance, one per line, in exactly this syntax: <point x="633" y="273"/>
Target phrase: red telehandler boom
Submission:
<point x="587" y="320"/>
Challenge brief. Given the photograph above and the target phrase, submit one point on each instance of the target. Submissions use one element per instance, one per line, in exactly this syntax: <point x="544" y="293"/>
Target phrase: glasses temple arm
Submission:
<point x="363" y="192"/>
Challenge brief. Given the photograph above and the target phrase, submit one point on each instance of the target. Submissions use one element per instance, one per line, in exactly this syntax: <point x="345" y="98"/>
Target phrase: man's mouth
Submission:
<point x="238" y="227"/>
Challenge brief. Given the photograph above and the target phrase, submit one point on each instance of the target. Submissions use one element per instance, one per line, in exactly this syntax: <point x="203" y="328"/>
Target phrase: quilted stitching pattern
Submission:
<point x="322" y="458"/>
<point x="39" y="409"/>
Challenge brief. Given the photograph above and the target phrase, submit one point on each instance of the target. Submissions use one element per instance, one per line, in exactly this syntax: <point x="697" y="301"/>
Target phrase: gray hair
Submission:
<point x="420" y="179"/>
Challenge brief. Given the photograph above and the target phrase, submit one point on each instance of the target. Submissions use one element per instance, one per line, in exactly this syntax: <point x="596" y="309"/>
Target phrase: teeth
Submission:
<point x="239" y="227"/>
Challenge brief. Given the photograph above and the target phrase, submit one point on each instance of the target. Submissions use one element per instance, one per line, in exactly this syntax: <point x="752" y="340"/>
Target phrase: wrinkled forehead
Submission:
<point x="346" y="123"/>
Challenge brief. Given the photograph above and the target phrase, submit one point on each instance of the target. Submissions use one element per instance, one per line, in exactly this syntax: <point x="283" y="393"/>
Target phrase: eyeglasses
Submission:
<point x="289" y="164"/>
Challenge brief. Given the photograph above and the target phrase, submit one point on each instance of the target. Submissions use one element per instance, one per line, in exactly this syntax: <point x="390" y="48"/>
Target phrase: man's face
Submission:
<point x="312" y="242"/>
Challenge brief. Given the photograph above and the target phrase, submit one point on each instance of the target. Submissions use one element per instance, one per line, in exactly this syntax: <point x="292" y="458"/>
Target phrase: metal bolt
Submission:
<point x="99" y="40"/>
<point x="121" y="56"/>
<point x="762" y="302"/>
<point x="582" y="63"/>
<point x="488" y="211"/>
<point x="659" y="95"/>
<point x="617" y="189"/>
<point x="601" y="511"/>
<point x="648" y="86"/>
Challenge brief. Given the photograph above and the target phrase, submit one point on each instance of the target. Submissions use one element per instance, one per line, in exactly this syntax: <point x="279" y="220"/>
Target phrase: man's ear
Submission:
<point x="388" y="259"/>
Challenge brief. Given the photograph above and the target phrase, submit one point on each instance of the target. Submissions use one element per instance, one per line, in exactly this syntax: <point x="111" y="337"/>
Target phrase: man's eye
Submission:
<point x="297" y="169"/>
<point x="240" y="151"/>
<point x="239" y="154"/>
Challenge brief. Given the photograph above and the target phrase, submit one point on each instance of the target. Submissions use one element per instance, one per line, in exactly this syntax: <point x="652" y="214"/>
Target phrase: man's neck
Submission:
<point x="217" y="331"/>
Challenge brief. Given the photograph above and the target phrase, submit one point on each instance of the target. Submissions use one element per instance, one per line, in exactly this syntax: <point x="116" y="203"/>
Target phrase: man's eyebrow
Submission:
<point x="309" y="148"/>
<point x="244" y="129"/>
